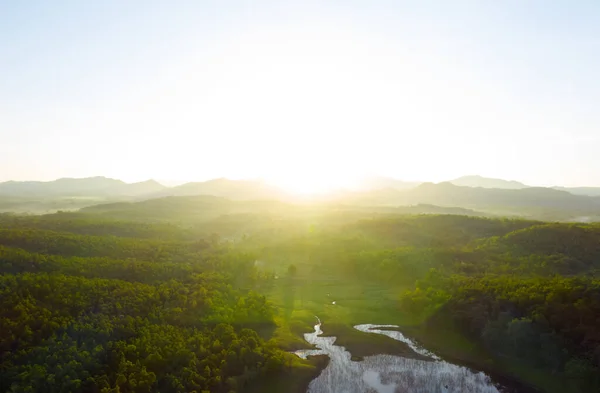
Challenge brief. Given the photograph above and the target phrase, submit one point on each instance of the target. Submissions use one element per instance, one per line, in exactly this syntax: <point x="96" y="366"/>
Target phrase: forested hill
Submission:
<point x="209" y="214"/>
<point x="190" y="208"/>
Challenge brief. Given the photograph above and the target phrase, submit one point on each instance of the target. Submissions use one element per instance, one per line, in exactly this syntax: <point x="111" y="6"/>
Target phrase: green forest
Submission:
<point x="129" y="308"/>
<point x="118" y="300"/>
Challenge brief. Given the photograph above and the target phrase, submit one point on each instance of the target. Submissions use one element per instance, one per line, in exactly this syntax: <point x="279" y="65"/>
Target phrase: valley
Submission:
<point x="514" y="299"/>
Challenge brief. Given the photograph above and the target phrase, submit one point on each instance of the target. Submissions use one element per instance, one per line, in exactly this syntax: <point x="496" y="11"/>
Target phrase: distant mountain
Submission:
<point x="511" y="198"/>
<point x="147" y="187"/>
<point x="232" y="189"/>
<point x="487" y="182"/>
<point x="90" y="186"/>
<point x="590" y="191"/>
<point x="171" y="182"/>
<point x="65" y="186"/>
<point x="448" y="194"/>
<point x="534" y="202"/>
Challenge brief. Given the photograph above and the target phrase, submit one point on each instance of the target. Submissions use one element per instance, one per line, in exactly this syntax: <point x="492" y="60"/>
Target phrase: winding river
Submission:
<point x="389" y="374"/>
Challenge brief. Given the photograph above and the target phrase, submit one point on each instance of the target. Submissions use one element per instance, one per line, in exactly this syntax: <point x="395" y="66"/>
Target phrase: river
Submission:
<point x="389" y="374"/>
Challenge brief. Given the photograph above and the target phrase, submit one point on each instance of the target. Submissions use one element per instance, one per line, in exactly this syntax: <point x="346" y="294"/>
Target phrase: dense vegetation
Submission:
<point x="524" y="292"/>
<point x="83" y="313"/>
<point x="532" y="295"/>
<point x="108" y="301"/>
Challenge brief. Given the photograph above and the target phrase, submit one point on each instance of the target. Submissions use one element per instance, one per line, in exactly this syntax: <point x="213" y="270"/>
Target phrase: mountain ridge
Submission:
<point x="242" y="189"/>
<point x="487" y="182"/>
<point x="538" y="202"/>
<point x="87" y="186"/>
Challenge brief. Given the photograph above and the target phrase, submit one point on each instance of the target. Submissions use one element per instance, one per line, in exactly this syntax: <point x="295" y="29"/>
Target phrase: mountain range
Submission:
<point x="534" y="202"/>
<point x="236" y="189"/>
<point x="486" y="182"/>
<point x="486" y="195"/>
<point x="90" y="186"/>
<point x="232" y="189"/>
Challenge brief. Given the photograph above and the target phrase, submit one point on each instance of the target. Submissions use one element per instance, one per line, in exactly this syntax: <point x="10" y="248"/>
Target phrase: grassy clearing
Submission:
<point x="303" y="298"/>
<point x="300" y="299"/>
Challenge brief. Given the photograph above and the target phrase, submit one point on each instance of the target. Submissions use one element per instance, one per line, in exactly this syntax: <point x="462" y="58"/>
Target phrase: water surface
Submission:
<point x="387" y="373"/>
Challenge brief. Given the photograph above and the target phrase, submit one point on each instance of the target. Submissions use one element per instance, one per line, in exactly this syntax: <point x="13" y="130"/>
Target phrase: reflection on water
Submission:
<point x="389" y="374"/>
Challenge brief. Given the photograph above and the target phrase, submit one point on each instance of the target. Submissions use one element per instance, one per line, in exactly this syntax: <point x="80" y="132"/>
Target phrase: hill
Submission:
<point x="176" y="208"/>
<point x="232" y="189"/>
<point x="378" y="192"/>
<point x="448" y="194"/>
<point x="532" y="202"/>
<point x="590" y="191"/>
<point x="35" y="197"/>
<point x="486" y="182"/>
<point x="90" y="186"/>
<point x="576" y="241"/>
<point x="65" y="186"/>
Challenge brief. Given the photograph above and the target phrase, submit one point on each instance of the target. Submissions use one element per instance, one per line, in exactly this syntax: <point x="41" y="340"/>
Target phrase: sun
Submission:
<point x="305" y="185"/>
<point x="311" y="182"/>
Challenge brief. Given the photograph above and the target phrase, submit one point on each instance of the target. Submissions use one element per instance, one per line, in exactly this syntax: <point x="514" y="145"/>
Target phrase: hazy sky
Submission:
<point x="301" y="91"/>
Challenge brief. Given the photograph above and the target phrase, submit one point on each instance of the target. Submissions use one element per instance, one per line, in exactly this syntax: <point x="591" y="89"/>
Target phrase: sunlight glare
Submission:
<point x="304" y="181"/>
<point x="310" y="112"/>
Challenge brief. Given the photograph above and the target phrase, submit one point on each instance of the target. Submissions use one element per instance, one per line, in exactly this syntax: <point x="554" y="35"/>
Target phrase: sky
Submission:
<point x="306" y="94"/>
